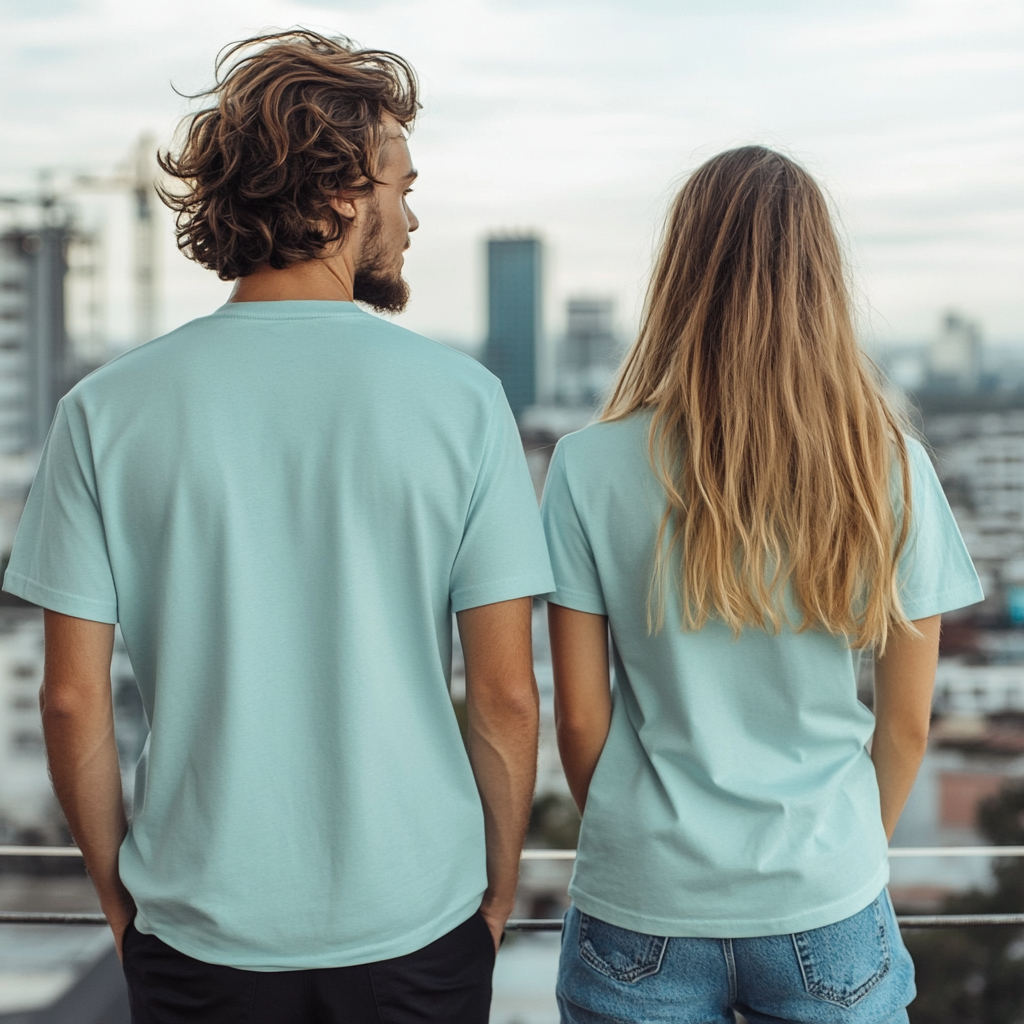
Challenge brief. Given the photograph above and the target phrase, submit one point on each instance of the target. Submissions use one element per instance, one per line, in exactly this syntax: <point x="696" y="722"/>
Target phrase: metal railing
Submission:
<point x="555" y="924"/>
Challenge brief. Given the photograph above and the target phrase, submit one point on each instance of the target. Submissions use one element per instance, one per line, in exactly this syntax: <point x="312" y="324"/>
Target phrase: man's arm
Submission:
<point x="78" y="724"/>
<point x="502" y="708"/>
<point x="583" y="702"/>
<point x="904" y="680"/>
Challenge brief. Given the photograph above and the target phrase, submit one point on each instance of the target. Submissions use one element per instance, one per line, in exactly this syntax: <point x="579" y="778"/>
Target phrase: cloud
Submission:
<point x="711" y="8"/>
<point x="580" y="117"/>
<point x="35" y="10"/>
<point x="344" y="6"/>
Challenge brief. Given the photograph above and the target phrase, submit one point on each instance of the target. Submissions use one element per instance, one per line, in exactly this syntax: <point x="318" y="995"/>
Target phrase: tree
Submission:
<point x="976" y="975"/>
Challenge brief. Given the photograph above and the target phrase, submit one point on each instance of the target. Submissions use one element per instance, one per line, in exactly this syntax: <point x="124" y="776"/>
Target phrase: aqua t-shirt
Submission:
<point x="282" y="504"/>
<point x="734" y="796"/>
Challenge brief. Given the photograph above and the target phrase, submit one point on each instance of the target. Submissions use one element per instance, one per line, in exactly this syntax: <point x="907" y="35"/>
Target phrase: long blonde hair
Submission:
<point x="770" y="432"/>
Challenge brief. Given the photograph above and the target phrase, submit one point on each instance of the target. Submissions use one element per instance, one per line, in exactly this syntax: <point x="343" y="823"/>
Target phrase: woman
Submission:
<point x="746" y="518"/>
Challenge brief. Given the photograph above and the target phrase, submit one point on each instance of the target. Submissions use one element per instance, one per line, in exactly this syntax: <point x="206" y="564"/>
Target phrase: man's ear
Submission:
<point x="344" y="205"/>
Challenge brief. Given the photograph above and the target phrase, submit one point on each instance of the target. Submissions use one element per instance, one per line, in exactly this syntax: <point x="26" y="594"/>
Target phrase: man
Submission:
<point x="282" y="504"/>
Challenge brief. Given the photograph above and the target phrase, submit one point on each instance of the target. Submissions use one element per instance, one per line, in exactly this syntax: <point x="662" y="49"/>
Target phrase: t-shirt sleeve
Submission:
<point x="577" y="584"/>
<point x="936" y="573"/>
<point x="502" y="555"/>
<point x="60" y="556"/>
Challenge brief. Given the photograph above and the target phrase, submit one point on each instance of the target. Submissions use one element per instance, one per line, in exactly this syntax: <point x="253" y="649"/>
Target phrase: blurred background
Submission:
<point x="553" y="136"/>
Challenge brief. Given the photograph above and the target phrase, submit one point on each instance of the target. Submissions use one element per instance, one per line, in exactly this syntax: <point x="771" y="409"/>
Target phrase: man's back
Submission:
<point x="292" y="498"/>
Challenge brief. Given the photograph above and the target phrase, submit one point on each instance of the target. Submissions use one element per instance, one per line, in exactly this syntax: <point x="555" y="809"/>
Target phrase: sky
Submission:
<point x="579" y="119"/>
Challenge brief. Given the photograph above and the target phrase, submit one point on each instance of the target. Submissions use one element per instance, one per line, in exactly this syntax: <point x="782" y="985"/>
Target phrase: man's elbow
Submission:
<point x="60" y="704"/>
<point x="515" y="702"/>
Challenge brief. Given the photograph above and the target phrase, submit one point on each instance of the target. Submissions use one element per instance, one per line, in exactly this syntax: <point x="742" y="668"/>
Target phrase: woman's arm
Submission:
<point x="583" y="700"/>
<point x="904" y="680"/>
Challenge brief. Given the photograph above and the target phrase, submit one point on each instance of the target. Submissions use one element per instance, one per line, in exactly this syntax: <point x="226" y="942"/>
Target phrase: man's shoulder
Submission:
<point x="185" y="351"/>
<point x="424" y="351"/>
<point x="128" y="368"/>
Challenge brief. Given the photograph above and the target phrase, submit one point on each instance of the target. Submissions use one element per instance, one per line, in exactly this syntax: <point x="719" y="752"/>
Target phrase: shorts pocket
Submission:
<point x="842" y="962"/>
<point x="618" y="953"/>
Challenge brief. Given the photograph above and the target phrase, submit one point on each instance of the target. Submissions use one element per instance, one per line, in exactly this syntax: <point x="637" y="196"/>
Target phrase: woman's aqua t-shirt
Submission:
<point x="734" y="796"/>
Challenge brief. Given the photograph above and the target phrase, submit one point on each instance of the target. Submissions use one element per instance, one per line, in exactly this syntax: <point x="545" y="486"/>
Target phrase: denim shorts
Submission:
<point x="856" y="971"/>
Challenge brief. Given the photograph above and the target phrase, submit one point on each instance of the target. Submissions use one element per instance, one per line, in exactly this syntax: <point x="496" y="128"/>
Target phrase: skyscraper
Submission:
<point x="514" y="316"/>
<point x="589" y="351"/>
<point x="954" y="357"/>
<point x="32" y="336"/>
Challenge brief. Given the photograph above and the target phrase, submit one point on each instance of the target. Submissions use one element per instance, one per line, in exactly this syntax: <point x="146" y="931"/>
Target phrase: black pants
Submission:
<point x="447" y="982"/>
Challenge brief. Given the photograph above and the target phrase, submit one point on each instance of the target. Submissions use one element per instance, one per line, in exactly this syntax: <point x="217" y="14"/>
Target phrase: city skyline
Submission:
<point x="577" y="121"/>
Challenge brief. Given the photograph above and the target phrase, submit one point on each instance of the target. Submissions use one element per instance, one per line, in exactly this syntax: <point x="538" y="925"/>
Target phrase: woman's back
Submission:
<point x="734" y="795"/>
<point x="748" y="516"/>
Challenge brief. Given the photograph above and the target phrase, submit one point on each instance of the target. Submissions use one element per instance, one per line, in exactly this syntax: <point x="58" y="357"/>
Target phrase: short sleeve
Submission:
<point x="60" y="556"/>
<point x="936" y="573"/>
<point x="502" y="555"/>
<point x="577" y="584"/>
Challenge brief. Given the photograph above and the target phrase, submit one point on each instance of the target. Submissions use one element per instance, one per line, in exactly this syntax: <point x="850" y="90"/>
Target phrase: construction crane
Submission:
<point x="137" y="178"/>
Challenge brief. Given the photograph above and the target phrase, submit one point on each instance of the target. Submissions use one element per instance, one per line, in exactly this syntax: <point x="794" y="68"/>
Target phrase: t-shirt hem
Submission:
<point x="499" y="590"/>
<point x="577" y="601"/>
<point x="732" y="927"/>
<point x="343" y="956"/>
<point x="57" y="600"/>
<point x="945" y="601"/>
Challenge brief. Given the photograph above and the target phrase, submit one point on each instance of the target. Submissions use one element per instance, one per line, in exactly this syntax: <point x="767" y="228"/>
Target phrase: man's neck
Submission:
<point x="329" y="279"/>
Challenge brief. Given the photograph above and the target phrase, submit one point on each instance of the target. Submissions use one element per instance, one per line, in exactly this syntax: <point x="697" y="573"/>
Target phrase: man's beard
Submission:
<point x="380" y="287"/>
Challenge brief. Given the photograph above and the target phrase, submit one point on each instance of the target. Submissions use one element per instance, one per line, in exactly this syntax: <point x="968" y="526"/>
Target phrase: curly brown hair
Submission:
<point x="297" y="119"/>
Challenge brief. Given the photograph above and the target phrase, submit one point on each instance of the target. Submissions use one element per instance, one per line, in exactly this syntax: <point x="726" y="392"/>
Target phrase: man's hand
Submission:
<point x="503" y="715"/>
<point x="78" y="725"/>
<point x="119" y="912"/>
<point x="496" y="918"/>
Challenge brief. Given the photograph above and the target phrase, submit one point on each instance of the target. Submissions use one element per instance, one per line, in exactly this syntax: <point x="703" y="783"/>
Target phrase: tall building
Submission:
<point x="27" y="807"/>
<point x="589" y="351"/>
<point x="954" y="357"/>
<point x="514" y="304"/>
<point x="33" y="266"/>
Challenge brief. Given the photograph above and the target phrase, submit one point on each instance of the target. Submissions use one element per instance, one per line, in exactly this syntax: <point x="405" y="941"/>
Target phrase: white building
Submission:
<point x="33" y="342"/>
<point x="27" y="805"/>
<point x="954" y="356"/>
<point x="589" y="353"/>
<point x="963" y="689"/>
<point x="980" y="461"/>
<point x="16" y="473"/>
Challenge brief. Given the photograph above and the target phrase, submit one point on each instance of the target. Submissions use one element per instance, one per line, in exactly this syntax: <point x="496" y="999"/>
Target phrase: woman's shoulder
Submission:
<point x="605" y="463"/>
<point x="606" y="439"/>
<point x="921" y="464"/>
<point x="916" y="450"/>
